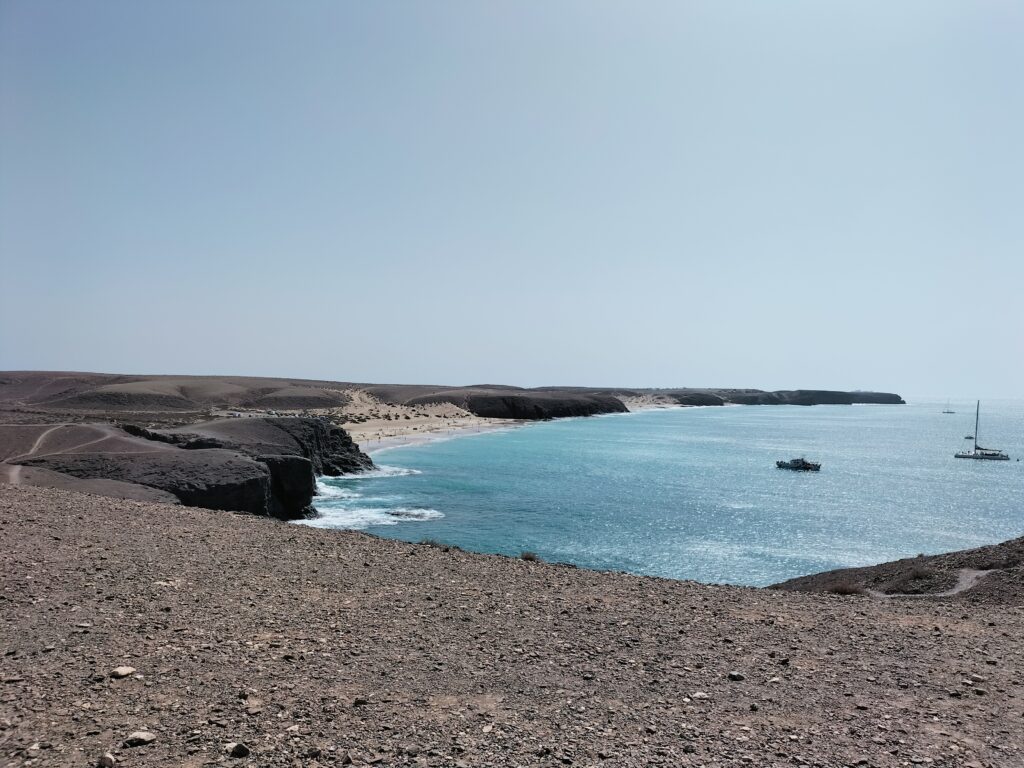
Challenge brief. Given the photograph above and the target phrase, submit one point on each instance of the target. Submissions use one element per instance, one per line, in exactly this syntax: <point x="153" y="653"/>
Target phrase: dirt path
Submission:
<point x="104" y="431"/>
<point x="39" y="441"/>
<point x="966" y="579"/>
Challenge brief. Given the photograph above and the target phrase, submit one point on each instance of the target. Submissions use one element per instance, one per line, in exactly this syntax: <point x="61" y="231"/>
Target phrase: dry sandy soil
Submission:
<point x="315" y="647"/>
<point x="372" y="422"/>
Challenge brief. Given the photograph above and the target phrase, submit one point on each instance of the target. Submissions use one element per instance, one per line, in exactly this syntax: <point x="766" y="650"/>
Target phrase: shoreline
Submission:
<point x="404" y="439"/>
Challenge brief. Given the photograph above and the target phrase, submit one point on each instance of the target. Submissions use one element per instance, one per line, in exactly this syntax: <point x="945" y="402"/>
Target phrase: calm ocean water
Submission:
<point x="693" y="493"/>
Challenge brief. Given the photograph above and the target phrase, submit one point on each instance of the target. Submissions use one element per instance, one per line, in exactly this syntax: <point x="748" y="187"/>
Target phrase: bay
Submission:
<point x="693" y="493"/>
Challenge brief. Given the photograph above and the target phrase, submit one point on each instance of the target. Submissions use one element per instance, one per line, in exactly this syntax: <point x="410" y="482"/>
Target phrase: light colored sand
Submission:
<point x="647" y="402"/>
<point x="375" y="424"/>
<point x="375" y="445"/>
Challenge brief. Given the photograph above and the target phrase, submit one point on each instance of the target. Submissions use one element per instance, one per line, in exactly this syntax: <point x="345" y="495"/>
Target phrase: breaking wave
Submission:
<point x="358" y="518"/>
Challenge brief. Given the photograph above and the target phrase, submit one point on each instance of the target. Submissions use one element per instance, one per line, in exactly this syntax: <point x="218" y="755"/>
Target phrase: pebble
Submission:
<point x="237" y="749"/>
<point x="253" y="706"/>
<point x="106" y="761"/>
<point x="119" y="672"/>
<point x="737" y="676"/>
<point x="140" y="739"/>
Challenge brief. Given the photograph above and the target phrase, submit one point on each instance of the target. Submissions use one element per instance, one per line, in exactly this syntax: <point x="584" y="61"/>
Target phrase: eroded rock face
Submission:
<point x="261" y="466"/>
<point x="328" y="448"/>
<point x="213" y="479"/>
<point x="697" y="398"/>
<point x="814" y="397"/>
<point x="292" y="486"/>
<point x="295" y="450"/>
<point x="528" y="406"/>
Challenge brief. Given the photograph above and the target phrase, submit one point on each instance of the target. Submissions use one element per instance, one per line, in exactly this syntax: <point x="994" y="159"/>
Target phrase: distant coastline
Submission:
<point x="263" y="438"/>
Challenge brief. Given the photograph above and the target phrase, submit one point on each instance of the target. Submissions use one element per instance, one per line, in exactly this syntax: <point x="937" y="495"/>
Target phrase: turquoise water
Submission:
<point x="693" y="493"/>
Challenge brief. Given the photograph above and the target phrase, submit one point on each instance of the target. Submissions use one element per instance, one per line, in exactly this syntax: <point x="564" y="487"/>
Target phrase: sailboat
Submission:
<point x="947" y="408"/>
<point x="978" y="452"/>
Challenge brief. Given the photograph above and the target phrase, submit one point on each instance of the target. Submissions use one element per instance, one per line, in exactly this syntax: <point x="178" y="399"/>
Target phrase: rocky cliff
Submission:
<point x="526" y="405"/>
<point x="328" y="448"/>
<point x="263" y="466"/>
<point x="812" y="397"/>
<point x="294" y="450"/>
<point x="212" y="479"/>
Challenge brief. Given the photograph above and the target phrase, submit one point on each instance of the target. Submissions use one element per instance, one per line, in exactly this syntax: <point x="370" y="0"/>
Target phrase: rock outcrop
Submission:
<point x="263" y="466"/>
<point x="992" y="574"/>
<point x="328" y="448"/>
<point x="698" y="398"/>
<point x="213" y="479"/>
<point x="294" y="450"/>
<point x="812" y="397"/>
<point x="526" y="405"/>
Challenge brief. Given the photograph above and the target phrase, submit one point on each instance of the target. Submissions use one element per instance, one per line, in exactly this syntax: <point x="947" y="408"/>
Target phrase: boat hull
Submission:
<point x="807" y="467"/>
<point x="982" y="456"/>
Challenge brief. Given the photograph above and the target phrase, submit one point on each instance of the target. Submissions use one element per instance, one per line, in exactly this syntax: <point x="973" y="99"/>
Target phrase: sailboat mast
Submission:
<point x="977" y="413"/>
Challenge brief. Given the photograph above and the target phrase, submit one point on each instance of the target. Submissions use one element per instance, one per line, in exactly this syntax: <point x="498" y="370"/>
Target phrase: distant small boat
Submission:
<point x="947" y="408"/>
<point x="977" y="452"/>
<point x="801" y="465"/>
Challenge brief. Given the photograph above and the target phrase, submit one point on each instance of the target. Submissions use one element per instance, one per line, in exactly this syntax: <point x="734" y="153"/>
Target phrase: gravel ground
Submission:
<point x="209" y="638"/>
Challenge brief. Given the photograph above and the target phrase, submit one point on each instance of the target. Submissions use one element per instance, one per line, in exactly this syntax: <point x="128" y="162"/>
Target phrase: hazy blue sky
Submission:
<point x="783" y="194"/>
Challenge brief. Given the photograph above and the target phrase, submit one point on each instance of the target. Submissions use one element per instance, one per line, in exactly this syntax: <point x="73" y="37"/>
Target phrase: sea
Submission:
<point x="693" y="493"/>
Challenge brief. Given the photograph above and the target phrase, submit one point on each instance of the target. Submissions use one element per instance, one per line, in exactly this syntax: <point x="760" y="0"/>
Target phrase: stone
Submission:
<point x="106" y="760"/>
<point x="237" y="749"/>
<point x="118" y="672"/>
<point x="140" y="739"/>
<point x="737" y="676"/>
<point x="253" y="706"/>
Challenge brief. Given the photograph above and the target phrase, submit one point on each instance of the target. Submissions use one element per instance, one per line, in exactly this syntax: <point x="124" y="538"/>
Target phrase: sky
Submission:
<point x="774" y="195"/>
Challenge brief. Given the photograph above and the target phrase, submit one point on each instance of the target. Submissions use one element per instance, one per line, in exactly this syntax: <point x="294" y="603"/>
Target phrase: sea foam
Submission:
<point x="358" y="518"/>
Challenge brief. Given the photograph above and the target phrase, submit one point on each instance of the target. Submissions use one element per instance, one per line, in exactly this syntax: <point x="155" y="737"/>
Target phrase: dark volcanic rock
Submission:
<point x="697" y="398"/>
<point x="328" y="448"/>
<point x="878" y="398"/>
<point x="534" y="407"/>
<point x="295" y="450"/>
<point x="264" y="466"/>
<point x="528" y="406"/>
<point x="292" y="486"/>
<point x="214" y="479"/>
<point x="812" y="397"/>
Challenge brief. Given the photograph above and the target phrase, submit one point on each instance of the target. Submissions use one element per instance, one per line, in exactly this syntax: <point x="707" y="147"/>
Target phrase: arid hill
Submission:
<point x="992" y="574"/>
<point x="45" y="396"/>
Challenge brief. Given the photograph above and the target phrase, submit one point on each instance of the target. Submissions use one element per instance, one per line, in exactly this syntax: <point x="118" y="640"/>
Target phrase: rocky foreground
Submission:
<point x="141" y="634"/>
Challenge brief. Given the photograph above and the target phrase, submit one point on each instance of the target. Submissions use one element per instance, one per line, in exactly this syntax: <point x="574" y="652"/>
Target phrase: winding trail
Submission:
<point x="39" y="441"/>
<point x="966" y="579"/>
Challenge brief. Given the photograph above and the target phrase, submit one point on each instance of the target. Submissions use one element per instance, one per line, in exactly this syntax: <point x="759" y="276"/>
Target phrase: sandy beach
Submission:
<point x="376" y="425"/>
